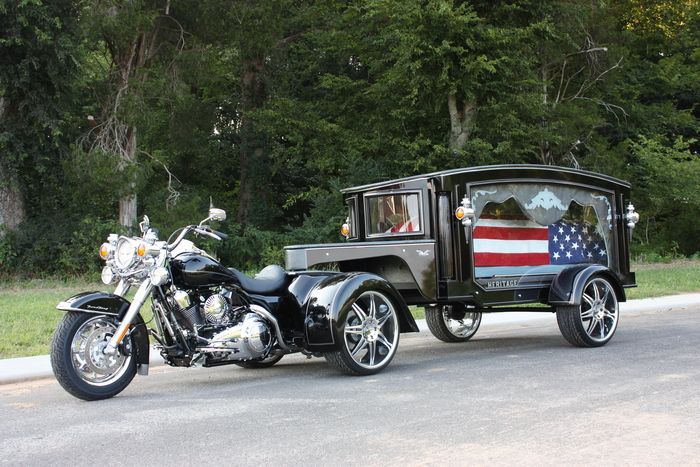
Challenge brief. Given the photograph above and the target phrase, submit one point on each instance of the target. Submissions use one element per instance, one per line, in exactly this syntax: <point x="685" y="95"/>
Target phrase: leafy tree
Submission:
<point x="137" y="43"/>
<point x="38" y="51"/>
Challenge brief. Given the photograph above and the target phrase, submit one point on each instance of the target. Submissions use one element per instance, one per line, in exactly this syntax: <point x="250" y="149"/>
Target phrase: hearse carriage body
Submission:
<point x="485" y="239"/>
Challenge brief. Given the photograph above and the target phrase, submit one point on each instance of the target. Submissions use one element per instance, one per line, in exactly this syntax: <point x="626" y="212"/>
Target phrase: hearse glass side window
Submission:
<point x="536" y="228"/>
<point x="393" y="214"/>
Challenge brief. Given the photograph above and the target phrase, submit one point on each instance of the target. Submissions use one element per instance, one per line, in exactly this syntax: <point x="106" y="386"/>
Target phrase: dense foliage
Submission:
<point x="111" y="108"/>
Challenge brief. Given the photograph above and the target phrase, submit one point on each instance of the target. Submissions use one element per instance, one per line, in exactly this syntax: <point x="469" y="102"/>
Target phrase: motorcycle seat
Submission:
<point x="270" y="281"/>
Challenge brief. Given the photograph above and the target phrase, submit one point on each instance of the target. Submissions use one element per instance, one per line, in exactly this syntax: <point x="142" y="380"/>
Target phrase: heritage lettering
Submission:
<point x="502" y="284"/>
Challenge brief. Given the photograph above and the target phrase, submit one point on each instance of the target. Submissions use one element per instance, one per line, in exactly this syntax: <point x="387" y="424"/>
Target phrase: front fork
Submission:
<point x="140" y="298"/>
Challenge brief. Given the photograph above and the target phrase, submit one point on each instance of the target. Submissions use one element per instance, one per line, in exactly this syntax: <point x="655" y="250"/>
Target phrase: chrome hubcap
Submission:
<point x="599" y="310"/>
<point x="88" y="357"/>
<point x="464" y="327"/>
<point x="371" y="330"/>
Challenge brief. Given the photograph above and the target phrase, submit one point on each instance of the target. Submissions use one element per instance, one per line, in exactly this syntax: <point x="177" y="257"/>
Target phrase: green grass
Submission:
<point x="28" y="312"/>
<point x="659" y="279"/>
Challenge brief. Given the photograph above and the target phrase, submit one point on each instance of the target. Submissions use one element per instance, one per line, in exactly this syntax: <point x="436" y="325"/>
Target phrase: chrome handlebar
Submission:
<point x="199" y="229"/>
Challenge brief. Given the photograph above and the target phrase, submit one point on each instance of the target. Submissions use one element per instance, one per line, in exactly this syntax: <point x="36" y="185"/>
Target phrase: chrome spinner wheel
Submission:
<point x="91" y="364"/>
<point x="452" y="323"/>
<point x="370" y="335"/>
<point x="594" y="322"/>
<point x="599" y="310"/>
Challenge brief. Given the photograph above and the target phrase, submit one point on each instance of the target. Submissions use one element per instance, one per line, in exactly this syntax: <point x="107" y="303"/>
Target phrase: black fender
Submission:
<point x="330" y="300"/>
<point x="102" y="303"/>
<point x="567" y="286"/>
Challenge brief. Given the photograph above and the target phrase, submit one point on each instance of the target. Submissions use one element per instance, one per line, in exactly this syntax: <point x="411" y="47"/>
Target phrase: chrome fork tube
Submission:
<point x="141" y="295"/>
<point x="122" y="288"/>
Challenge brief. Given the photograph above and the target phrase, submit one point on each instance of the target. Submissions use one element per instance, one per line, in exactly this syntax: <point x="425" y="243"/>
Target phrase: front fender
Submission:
<point x="567" y="286"/>
<point x="330" y="300"/>
<point x="101" y="303"/>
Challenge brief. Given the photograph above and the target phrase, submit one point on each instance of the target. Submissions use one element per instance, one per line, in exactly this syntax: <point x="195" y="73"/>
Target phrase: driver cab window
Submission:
<point x="393" y="214"/>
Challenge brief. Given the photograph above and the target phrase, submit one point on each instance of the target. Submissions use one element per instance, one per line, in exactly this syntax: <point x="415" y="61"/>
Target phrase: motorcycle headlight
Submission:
<point x="125" y="254"/>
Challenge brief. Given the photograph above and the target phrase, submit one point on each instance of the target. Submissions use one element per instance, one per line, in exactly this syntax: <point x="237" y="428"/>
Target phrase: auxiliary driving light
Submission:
<point x="159" y="276"/>
<point x="107" y="275"/>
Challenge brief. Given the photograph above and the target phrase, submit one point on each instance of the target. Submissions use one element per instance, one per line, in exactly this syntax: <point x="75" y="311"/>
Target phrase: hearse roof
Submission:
<point x="514" y="169"/>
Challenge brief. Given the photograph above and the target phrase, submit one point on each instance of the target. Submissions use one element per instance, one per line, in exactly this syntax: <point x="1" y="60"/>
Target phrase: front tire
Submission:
<point x="452" y="323"/>
<point x="594" y="321"/>
<point x="370" y="336"/>
<point x="78" y="362"/>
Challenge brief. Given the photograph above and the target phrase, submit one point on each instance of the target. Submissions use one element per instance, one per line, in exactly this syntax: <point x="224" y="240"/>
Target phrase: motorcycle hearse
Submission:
<point x="459" y="243"/>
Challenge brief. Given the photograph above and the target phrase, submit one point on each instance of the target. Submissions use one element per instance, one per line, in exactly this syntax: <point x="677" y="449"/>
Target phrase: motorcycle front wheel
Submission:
<point x="78" y="360"/>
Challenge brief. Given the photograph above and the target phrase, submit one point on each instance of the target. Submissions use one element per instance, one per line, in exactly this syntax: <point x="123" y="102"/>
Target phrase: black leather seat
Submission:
<point x="270" y="281"/>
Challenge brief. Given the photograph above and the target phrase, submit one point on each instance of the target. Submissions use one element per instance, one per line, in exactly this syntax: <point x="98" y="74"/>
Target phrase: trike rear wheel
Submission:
<point x="370" y="336"/>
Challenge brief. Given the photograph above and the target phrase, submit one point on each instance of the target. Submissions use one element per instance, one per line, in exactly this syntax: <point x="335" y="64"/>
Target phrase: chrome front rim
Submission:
<point x="371" y="330"/>
<point x="87" y="353"/>
<point x="599" y="310"/>
<point x="464" y="327"/>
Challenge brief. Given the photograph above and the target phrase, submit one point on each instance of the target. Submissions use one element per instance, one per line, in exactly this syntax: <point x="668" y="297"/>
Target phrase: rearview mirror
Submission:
<point x="145" y="224"/>
<point x="217" y="214"/>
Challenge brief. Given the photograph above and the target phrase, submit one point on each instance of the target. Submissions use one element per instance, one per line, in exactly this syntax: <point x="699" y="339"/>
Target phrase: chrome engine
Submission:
<point x="249" y="339"/>
<point x="230" y="332"/>
<point x="216" y="309"/>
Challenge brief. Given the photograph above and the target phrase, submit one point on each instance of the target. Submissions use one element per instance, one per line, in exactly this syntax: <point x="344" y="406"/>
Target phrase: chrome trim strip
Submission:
<point x="63" y="307"/>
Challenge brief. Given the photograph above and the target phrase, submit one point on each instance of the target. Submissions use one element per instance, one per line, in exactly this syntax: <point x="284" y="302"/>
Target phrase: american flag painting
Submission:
<point x="503" y="246"/>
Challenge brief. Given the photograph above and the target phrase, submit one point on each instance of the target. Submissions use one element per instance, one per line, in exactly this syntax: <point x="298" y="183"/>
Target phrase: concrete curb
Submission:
<point x="14" y="370"/>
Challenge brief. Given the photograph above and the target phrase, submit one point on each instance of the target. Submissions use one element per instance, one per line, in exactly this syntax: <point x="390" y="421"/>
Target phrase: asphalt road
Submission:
<point x="517" y="393"/>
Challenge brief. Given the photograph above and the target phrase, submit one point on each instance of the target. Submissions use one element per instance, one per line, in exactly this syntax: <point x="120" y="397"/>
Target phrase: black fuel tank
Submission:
<point x="193" y="270"/>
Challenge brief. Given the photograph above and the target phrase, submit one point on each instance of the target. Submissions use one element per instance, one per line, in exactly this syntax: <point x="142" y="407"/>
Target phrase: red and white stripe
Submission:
<point x="510" y="242"/>
<point x="408" y="226"/>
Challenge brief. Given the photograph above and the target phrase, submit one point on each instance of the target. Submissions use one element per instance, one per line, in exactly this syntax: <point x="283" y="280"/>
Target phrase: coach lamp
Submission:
<point x="465" y="213"/>
<point x="631" y="217"/>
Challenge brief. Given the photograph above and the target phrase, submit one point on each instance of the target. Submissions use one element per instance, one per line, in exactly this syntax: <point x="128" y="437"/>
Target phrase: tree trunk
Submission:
<point x="254" y="167"/>
<point x="127" y="203"/>
<point x="546" y="153"/>
<point x="127" y="210"/>
<point x="461" y="121"/>
<point x="11" y="201"/>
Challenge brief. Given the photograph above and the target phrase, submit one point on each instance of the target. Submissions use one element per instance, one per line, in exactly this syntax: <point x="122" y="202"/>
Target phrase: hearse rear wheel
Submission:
<point x="452" y="323"/>
<point x="370" y="336"/>
<point x="593" y="323"/>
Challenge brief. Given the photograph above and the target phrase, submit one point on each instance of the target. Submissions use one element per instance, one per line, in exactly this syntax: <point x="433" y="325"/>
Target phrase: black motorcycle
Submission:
<point x="209" y="315"/>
